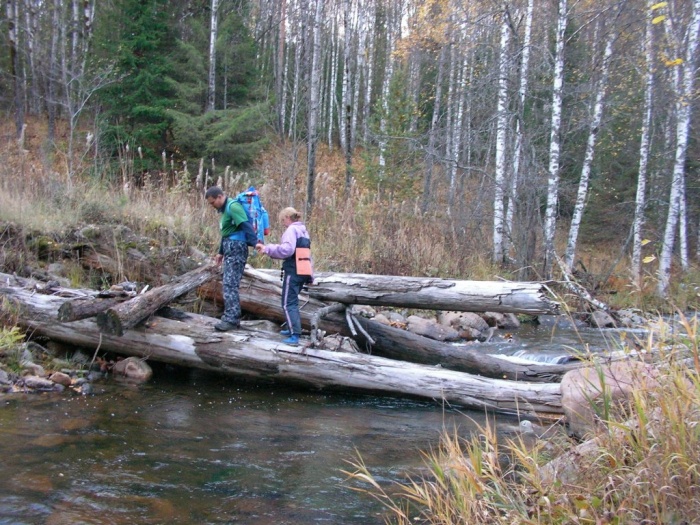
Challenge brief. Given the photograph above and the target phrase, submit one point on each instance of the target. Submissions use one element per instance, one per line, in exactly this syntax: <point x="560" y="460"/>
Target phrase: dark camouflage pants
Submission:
<point x="235" y="257"/>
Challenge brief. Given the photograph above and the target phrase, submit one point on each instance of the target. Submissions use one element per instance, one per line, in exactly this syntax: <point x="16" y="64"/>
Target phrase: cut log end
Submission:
<point x="110" y="323"/>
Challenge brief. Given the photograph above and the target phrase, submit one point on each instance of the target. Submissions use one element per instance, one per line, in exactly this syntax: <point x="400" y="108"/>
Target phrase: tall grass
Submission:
<point x="644" y="468"/>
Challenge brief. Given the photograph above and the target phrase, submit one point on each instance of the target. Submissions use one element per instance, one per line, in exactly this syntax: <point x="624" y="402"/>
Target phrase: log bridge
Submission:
<point x="400" y="363"/>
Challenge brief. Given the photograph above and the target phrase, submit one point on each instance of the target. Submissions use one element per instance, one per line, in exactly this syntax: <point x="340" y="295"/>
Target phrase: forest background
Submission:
<point x="524" y="139"/>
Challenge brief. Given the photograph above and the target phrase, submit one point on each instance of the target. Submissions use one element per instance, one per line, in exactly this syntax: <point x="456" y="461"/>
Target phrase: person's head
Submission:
<point x="215" y="196"/>
<point x="290" y="214"/>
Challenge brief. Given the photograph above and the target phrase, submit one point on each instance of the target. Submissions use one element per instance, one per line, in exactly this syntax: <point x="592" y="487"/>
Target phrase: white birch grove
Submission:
<point x="644" y="147"/>
<point x="411" y="87"/>
<point x="683" y="107"/>
<point x="550" y="221"/>
<point x="213" y="31"/>
<point x="502" y="116"/>
<point x="594" y="127"/>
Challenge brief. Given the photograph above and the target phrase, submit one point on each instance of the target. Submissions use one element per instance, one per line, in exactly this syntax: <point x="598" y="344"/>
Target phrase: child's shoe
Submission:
<point x="292" y="340"/>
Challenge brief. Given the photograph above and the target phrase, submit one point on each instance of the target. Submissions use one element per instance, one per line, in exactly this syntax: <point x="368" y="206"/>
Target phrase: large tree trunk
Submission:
<point x="192" y="341"/>
<point x="117" y="319"/>
<point x="430" y="293"/>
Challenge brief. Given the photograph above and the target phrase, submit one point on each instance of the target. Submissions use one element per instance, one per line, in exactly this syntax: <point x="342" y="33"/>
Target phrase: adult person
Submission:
<point x="293" y="278"/>
<point x="233" y="252"/>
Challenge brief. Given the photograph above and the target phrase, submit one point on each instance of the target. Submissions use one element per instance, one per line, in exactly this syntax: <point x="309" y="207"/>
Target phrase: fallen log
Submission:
<point x="83" y="308"/>
<point x="432" y="293"/>
<point x="193" y="342"/>
<point x="119" y="318"/>
<point x="394" y="343"/>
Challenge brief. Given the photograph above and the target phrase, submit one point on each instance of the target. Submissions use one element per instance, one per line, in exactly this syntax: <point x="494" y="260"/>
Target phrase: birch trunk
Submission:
<point x="683" y="117"/>
<point x="314" y="92"/>
<point x="512" y="194"/>
<point x="593" y="129"/>
<point x="386" y="85"/>
<point x="644" y="146"/>
<point x="431" y="153"/>
<point x="554" y="141"/>
<point x="14" y="63"/>
<point x="281" y="66"/>
<point x="501" y="127"/>
<point x="213" y="30"/>
<point x="347" y="103"/>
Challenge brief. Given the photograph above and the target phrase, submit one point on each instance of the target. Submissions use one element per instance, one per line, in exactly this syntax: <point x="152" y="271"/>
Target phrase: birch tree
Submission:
<point x="593" y="129"/>
<point x="554" y="141"/>
<point x="644" y="146"/>
<point x="313" y="109"/>
<point x="501" y="128"/>
<point x="511" y="197"/>
<point x="12" y="11"/>
<point x="683" y="107"/>
<point x="213" y="31"/>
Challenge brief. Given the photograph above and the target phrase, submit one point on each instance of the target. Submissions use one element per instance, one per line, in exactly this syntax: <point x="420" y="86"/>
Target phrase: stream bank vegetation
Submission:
<point x="641" y="465"/>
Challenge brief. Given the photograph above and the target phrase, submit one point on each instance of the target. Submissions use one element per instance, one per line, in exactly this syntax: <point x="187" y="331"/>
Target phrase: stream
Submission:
<point x="196" y="447"/>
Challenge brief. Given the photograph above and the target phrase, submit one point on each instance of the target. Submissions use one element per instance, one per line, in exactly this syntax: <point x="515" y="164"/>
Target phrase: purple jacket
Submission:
<point x="288" y="243"/>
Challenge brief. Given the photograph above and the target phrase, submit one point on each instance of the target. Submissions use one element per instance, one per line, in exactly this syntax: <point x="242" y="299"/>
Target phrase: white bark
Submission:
<point x="213" y="30"/>
<point x="386" y="86"/>
<point x="644" y="146"/>
<point x="314" y="92"/>
<point x="582" y="195"/>
<point x="501" y="133"/>
<point x="554" y="144"/>
<point x="683" y="115"/>
<point x="517" y="149"/>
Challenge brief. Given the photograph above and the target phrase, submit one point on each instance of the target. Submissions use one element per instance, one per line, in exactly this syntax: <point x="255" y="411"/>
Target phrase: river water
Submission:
<point x="195" y="447"/>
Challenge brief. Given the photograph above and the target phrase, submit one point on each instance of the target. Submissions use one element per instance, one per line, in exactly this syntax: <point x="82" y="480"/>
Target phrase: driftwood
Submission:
<point x="193" y="342"/>
<point x="119" y="318"/>
<point x="431" y="293"/>
<point x="403" y="345"/>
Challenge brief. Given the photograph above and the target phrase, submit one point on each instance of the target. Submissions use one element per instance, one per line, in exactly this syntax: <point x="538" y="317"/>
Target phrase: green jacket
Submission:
<point x="232" y="216"/>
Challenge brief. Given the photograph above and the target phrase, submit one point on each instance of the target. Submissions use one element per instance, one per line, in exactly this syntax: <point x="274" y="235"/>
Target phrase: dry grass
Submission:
<point x="364" y="230"/>
<point x="646" y="468"/>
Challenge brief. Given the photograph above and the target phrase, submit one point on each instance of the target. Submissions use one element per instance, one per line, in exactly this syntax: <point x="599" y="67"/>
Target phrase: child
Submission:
<point x="297" y="270"/>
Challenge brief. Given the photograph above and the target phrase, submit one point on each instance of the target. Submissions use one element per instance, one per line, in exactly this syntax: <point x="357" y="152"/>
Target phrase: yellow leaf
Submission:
<point x="676" y="62"/>
<point x="645" y="242"/>
<point x="658" y="19"/>
<point x="659" y="6"/>
<point x="649" y="259"/>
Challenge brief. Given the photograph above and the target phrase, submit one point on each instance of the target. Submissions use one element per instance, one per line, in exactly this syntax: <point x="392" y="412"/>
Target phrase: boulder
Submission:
<point x="132" y="368"/>
<point x="601" y="319"/>
<point x="431" y="329"/>
<point x="586" y="392"/>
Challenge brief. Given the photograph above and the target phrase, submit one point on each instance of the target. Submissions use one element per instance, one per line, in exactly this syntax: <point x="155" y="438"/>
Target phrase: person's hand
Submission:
<point x="260" y="248"/>
<point x="218" y="258"/>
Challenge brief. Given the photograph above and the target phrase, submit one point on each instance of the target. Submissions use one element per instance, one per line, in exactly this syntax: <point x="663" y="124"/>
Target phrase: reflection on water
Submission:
<point x="191" y="447"/>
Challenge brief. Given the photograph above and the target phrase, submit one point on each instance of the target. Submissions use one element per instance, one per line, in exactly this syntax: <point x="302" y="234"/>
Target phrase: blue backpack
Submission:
<point x="256" y="212"/>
